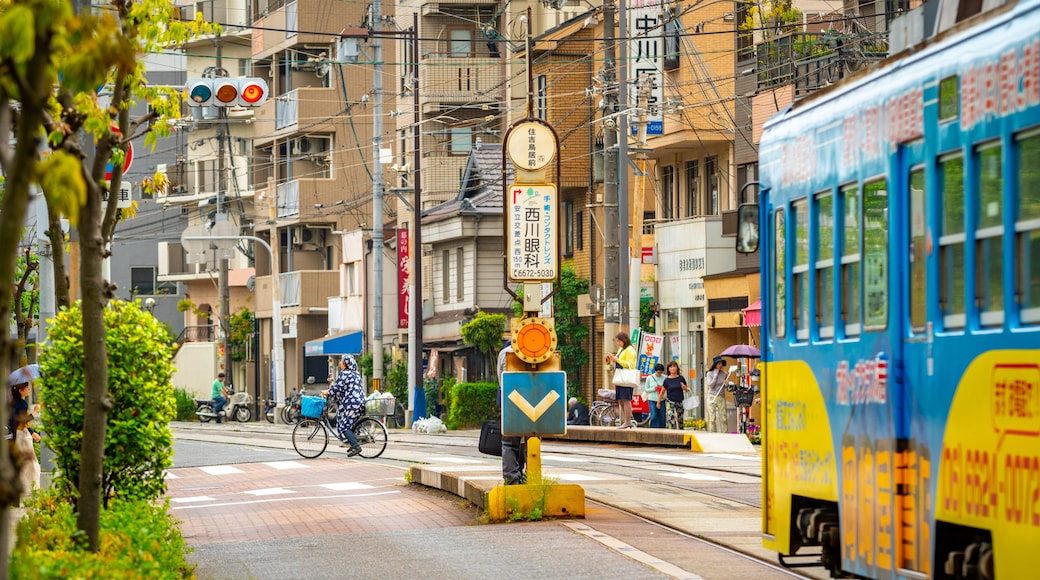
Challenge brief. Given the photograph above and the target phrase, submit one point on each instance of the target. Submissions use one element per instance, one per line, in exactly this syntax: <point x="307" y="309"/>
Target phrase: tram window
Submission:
<point x="918" y="240"/>
<point x="800" y="270"/>
<point x="825" y="265"/>
<point x="1027" y="227"/>
<point x="949" y="99"/>
<point x="989" y="233"/>
<point x="875" y="255"/>
<point x="780" y="275"/>
<point x="850" y="259"/>
<point x="951" y="242"/>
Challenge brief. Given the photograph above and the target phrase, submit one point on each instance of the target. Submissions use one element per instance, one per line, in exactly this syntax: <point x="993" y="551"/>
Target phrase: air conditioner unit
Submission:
<point x="303" y="146"/>
<point x="303" y="235"/>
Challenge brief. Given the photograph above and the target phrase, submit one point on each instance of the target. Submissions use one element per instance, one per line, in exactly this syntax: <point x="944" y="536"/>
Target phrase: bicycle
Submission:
<point x="291" y="410"/>
<point x="310" y="436"/>
<point x="743" y="397"/>
<point x="607" y="412"/>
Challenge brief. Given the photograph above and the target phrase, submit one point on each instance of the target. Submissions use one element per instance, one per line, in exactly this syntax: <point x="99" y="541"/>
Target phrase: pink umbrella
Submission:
<point x="741" y="351"/>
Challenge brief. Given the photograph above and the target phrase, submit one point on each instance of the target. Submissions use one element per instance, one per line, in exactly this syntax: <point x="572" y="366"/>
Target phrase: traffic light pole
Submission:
<point x="377" y="200"/>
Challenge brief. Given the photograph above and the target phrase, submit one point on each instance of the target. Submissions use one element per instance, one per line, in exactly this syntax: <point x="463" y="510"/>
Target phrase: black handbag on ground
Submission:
<point x="491" y="438"/>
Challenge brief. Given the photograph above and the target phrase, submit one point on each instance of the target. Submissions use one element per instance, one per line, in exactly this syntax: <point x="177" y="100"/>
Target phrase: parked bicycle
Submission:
<point x="310" y="436"/>
<point x="606" y="411"/>
<point x="291" y="411"/>
<point x="743" y="397"/>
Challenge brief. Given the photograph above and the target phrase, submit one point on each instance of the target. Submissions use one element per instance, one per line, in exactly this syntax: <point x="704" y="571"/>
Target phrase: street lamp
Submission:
<point x="278" y="348"/>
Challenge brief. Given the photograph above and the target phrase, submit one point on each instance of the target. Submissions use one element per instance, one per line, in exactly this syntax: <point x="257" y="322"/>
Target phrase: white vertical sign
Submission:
<point x="531" y="217"/>
<point x="645" y="54"/>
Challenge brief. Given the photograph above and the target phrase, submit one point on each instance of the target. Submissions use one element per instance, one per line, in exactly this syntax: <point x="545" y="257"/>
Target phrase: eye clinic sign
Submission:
<point x="531" y="205"/>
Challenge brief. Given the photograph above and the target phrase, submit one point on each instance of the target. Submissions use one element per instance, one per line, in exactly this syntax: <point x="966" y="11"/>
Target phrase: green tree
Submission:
<point x="53" y="62"/>
<point x="485" y="333"/>
<point x="26" y="304"/>
<point x="138" y="442"/>
<point x="242" y="330"/>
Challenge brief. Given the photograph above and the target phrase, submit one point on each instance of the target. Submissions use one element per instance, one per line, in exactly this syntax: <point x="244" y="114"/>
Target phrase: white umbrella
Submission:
<point x="26" y="374"/>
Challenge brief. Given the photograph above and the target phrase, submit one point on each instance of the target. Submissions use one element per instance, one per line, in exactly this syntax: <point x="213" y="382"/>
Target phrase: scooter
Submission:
<point x="238" y="407"/>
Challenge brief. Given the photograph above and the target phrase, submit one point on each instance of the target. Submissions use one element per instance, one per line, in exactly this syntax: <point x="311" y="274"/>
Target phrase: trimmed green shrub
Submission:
<point x="185" y="402"/>
<point x="138" y="442"/>
<point x="138" y="539"/>
<point x="470" y="404"/>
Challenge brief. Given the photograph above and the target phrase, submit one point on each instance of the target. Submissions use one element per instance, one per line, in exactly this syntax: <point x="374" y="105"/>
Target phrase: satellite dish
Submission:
<point x="251" y="283"/>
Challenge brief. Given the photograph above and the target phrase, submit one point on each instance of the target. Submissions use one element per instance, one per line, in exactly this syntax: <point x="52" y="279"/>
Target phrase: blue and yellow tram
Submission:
<point x="900" y="222"/>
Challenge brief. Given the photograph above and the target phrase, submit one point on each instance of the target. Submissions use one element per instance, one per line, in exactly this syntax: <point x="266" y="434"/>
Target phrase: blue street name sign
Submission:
<point x="534" y="403"/>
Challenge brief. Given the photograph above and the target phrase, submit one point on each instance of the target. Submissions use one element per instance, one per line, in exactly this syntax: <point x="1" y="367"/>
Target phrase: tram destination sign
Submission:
<point x="531" y="219"/>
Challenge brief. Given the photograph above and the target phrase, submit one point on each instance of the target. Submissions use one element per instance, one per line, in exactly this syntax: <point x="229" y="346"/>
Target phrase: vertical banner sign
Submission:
<point x="676" y="348"/>
<point x="531" y="211"/>
<point x="645" y="54"/>
<point x="651" y="347"/>
<point x="404" y="266"/>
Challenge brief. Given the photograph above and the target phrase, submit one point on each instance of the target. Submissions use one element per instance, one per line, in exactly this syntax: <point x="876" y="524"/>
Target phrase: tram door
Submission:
<point x="911" y="253"/>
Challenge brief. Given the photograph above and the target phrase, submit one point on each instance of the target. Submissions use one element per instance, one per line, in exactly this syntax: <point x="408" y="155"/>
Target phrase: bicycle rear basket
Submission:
<point x="311" y="407"/>
<point x="743" y="397"/>
<point x="380" y="405"/>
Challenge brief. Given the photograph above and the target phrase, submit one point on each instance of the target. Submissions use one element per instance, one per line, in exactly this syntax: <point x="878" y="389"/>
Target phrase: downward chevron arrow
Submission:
<point x="533" y="413"/>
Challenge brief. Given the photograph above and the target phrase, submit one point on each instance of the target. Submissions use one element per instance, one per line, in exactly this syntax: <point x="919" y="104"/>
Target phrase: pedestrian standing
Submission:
<point x="655" y="396"/>
<point x="217" y="394"/>
<point x="23" y="435"/>
<point x="624" y="359"/>
<point x="514" y="449"/>
<point x="675" y="388"/>
<point x="350" y="393"/>
<point x="715" y="384"/>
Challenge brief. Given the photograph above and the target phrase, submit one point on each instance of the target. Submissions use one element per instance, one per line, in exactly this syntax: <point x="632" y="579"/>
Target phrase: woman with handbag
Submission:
<point x="626" y="377"/>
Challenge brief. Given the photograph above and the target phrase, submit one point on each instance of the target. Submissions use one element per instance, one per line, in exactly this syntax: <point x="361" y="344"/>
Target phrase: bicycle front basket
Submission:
<point x="744" y="397"/>
<point x="311" y="407"/>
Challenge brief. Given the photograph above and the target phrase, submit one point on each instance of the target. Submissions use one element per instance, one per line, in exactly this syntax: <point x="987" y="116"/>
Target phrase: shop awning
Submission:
<point x="347" y="342"/>
<point x="753" y="314"/>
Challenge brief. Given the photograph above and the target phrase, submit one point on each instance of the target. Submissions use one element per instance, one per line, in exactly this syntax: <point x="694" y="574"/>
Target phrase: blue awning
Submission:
<point x="348" y="342"/>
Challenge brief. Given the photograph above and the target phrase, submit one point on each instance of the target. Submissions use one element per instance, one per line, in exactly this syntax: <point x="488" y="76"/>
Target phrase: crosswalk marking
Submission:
<point x="693" y="476"/>
<point x="285" y="464"/>
<point x="562" y="458"/>
<point x="196" y="499"/>
<point x="270" y="491"/>
<point x="453" y="459"/>
<point x="221" y="469"/>
<point x="754" y="458"/>
<point x="576" y="477"/>
<point x="347" y="486"/>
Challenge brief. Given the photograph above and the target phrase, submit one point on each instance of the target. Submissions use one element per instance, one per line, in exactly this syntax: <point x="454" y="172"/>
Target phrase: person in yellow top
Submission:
<point x="625" y="358"/>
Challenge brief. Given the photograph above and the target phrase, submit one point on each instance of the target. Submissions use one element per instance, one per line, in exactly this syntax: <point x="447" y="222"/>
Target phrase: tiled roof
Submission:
<point x="481" y="188"/>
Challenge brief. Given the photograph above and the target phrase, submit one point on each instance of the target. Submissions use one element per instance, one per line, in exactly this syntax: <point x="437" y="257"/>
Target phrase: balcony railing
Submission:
<point x="461" y="80"/>
<point x="300" y="291"/>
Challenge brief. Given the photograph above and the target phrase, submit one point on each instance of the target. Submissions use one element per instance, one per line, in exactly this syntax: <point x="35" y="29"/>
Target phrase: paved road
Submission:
<point x="251" y="508"/>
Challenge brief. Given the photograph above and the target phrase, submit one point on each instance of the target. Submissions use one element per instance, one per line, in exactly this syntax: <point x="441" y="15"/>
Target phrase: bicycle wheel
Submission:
<point x="596" y="416"/>
<point x="371" y="436"/>
<point x="396" y="421"/>
<point x="310" y="438"/>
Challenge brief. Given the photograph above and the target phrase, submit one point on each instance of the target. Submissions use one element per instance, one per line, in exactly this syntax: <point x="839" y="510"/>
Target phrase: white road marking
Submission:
<point x="452" y="459"/>
<point x="693" y="476"/>
<point x="270" y="491"/>
<point x="733" y="456"/>
<point x="660" y="456"/>
<point x="169" y="475"/>
<point x="214" y="505"/>
<point x="285" y="464"/>
<point x="196" y="499"/>
<point x="348" y="486"/>
<point x="575" y="477"/>
<point x="627" y="550"/>
<point x="221" y="469"/>
<point x="562" y="458"/>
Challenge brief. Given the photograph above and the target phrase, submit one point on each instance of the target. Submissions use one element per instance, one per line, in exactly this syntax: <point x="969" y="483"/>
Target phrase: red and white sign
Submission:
<point x="403" y="277"/>
<point x="127" y="162"/>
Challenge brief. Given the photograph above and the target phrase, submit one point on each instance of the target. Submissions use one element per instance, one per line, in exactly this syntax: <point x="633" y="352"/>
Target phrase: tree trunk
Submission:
<point x="94" y="292"/>
<point x="62" y="297"/>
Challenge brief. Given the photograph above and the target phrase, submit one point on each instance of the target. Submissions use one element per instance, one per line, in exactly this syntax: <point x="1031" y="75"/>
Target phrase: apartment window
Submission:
<point x="568" y="228"/>
<point x="667" y="186"/>
<point x="445" y="276"/>
<point x="579" y="230"/>
<point x="693" y="187"/>
<point x="711" y="171"/>
<point x="850" y="260"/>
<point x="989" y="235"/>
<point x="918" y="249"/>
<point x="671" y="39"/>
<point x="461" y="140"/>
<point x="460" y="42"/>
<point x="540" y="96"/>
<point x="875" y="255"/>
<point x="952" y="293"/>
<point x="1027" y="227"/>
<point x="143" y="283"/>
<point x="352" y="285"/>
<point x="824" y="241"/>
<point x="460" y="279"/>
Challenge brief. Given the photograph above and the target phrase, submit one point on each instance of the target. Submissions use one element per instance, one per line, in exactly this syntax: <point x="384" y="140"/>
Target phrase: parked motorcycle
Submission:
<point x="239" y="407"/>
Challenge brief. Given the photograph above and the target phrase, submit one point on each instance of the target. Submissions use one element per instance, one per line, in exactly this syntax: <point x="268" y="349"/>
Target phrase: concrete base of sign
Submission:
<point x="708" y="442"/>
<point x="534" y="501"/>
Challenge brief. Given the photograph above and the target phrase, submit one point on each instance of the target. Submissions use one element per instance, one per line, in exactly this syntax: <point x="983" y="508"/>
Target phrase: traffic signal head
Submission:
<point x="226" y="92"/>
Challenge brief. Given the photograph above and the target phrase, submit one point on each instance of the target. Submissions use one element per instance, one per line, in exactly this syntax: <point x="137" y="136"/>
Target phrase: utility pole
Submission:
<point x="377" y="197"/>
<point x="635" y="241"/>
<point x="415" y="321"/>
<point x="622" y="162"/>
<point x="611" y="251"/>
<point x="222" y="278"/>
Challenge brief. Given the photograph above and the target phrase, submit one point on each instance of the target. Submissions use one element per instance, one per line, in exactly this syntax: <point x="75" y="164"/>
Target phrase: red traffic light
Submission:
<point x="226" y="92"/>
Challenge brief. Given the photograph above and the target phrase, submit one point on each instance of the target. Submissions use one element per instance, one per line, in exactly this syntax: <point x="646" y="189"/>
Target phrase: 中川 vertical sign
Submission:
<point x="531" y="215"/>
<point x="645" y="54"/>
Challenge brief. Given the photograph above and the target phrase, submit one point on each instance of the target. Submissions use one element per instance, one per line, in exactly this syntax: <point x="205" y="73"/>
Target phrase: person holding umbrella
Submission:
<point x="715" y="383"/>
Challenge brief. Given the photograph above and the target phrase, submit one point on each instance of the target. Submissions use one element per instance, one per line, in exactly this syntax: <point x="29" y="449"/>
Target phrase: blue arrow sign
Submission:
<point x="534" y="403"/>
